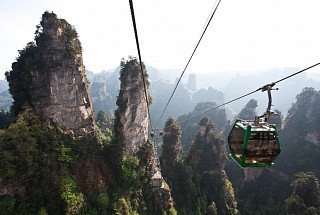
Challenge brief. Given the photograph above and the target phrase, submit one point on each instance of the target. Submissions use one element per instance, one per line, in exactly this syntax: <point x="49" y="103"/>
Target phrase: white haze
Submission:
<point x="244" y="36"/>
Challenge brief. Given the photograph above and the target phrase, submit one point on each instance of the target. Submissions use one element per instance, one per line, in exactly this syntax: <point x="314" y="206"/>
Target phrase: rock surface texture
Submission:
<point x="50" y="76"/>
<point x="132" y="113"/>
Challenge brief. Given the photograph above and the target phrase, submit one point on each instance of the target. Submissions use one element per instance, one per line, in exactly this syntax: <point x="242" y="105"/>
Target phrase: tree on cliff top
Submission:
<point x="19" y="78"/>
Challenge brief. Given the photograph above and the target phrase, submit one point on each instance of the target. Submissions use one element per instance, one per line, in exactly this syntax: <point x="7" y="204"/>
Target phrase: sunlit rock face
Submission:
<point x="132" y="113"/>
<point x="54" y="79"/>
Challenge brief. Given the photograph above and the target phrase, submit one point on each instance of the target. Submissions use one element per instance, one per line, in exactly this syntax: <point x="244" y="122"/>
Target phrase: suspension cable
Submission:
<point x="140" y="61"/>
<point x="282" y="79"/>
<point x="240" y="97"/>
<point x="209" y="15"/>
<point x="204" y="31"/>
<point x="216" y="107"/>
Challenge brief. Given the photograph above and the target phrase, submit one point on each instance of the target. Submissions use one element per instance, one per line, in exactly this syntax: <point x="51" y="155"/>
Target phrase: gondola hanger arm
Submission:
<point x="266" y="115"/>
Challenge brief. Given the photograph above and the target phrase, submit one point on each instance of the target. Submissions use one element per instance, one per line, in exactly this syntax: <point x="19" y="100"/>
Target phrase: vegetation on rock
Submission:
<point x="198" y="180"/>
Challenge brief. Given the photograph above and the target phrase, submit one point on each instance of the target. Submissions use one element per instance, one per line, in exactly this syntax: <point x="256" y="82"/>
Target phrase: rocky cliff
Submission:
<point x="207" y="158"/>
<point x="49" y="75"/>
<point x="300" y="137"/>
<point x="131" y="122"/>
<point x="197" y="179"/>
<point x="171" y="149"/>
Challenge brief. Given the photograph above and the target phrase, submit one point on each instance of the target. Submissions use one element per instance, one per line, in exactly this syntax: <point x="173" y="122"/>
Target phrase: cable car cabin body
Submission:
<point x="253" y="144"/>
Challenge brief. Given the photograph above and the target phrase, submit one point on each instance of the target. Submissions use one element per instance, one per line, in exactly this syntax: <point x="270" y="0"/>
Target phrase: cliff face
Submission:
<point x="50" y="76"/>
<point x="132" y="113"/>
<point x="171" y="149"/>
<point x="207" y="157"/>
<point x="300" y="137"/>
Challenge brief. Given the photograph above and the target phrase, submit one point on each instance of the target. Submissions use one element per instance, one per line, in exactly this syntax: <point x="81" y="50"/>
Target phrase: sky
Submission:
<point x="244" y="35"/>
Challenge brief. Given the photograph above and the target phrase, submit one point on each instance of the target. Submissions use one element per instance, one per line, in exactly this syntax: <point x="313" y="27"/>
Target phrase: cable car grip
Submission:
<point x="266" y="115"/>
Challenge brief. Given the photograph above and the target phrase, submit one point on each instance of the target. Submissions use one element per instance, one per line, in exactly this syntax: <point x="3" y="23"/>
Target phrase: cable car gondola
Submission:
<point x="255" y="143"/>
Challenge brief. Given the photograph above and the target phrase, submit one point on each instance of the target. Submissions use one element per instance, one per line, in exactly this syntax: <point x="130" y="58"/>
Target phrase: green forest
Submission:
<point x="46" y="169"/>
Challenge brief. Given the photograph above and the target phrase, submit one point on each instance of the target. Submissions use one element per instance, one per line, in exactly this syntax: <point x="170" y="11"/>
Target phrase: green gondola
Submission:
<point x="255" y="143"/>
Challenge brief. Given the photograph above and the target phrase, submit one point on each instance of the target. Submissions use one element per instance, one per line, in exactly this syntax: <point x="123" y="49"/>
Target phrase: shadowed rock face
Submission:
<point x="52" y="76"/>
<point x="132" y="113"/>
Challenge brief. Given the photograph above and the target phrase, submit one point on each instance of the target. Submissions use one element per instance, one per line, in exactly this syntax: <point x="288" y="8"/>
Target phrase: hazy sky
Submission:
<point x="245" y="35"/>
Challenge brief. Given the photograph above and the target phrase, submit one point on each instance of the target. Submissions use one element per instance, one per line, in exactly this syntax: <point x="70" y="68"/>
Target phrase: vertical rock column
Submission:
<point x="55" y="83"/>
<point x="132" y="113"/>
